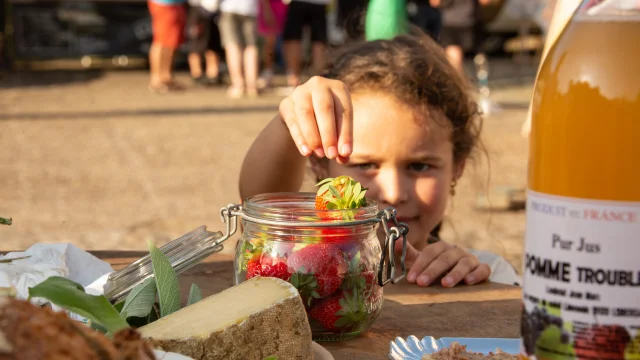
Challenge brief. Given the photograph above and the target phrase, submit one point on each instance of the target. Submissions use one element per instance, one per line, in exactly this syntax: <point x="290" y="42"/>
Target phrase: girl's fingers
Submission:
<point x="417" y="272"/>
<point x="322" y="100"/>
<point x="480" y="274"/>
<point x="344" y="120"/>
<point x="464" y="267"/>
<point x="306" y="120"/>
<point x="445" y="261"/>
<point x="288" y="116"/>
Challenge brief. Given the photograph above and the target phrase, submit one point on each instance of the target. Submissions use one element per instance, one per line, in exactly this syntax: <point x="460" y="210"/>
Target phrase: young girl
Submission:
<point x="397" y="117"/>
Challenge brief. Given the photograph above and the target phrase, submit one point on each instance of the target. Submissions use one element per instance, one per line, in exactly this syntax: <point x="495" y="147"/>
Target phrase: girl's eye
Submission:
<point x="364" y="166"/>
<point x="419" y="167"/>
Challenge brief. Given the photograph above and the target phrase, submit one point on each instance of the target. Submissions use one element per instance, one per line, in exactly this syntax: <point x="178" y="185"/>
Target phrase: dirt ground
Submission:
<point x="96" y="160"/>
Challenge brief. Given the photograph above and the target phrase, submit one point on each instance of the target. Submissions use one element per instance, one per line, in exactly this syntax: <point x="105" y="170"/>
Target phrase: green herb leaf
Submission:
<point x="272" y="357"/>
<point x="139" y="302"/>
<point x="72" y="297"/>
<point x="195" y="295"/>
<point x="166" y="282"/>
<point x="4" y="221"/>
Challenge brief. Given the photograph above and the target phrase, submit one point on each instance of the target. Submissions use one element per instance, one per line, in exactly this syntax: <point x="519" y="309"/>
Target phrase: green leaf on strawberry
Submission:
<point x="340" y="193"/>
<point x="306" y="285"/>
<point x="340" y="311"/>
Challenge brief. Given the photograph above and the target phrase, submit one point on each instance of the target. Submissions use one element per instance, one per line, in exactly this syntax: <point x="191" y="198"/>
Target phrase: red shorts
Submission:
<point x="167" y="23"/>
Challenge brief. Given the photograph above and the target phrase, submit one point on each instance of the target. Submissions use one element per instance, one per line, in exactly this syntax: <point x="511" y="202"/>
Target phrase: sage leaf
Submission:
<point x="139" y="302"/>
<point x="195" y="295"/>
<point x="166" y="282"/>
<point x="71" y="296"/>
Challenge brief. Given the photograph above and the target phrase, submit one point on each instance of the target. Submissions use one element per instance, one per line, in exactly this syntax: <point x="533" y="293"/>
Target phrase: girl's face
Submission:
<point x="402" y="162"/>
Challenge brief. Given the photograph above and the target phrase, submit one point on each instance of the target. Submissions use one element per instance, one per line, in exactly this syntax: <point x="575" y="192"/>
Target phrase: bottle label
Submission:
<point x="581" y="289"/>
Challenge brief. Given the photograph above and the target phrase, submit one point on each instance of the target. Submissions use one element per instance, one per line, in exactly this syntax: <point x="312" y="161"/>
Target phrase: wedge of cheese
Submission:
<point x="255" y="319"/>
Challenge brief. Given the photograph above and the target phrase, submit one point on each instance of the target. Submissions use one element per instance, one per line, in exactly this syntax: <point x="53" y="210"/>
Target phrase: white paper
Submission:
<point x="46" y="260"/>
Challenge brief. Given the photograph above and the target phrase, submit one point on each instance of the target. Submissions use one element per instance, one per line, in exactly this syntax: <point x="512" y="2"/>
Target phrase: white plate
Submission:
<point x="161" y="355"/>
<point x="413" y="348"/>
<point x="319" y="353"/>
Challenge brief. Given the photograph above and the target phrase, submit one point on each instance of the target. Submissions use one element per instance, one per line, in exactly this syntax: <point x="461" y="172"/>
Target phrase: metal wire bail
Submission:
<point x="392" y="235"/>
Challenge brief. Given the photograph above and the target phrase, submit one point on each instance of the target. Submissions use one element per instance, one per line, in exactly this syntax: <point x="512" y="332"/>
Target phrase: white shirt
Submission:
<point x="501" y="270"/>
<point x="240" y="7"/>
<point x="209" y="5"/>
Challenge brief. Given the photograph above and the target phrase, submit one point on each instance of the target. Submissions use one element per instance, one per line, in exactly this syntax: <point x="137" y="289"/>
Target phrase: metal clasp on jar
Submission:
<point x="393" y="233"/>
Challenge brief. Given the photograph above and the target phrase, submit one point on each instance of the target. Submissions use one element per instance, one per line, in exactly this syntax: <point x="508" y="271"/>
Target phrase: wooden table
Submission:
<point x="486" y="310"/>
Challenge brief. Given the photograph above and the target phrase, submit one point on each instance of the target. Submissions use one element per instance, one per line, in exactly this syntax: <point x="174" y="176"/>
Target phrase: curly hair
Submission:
<point x="415" y="69"/>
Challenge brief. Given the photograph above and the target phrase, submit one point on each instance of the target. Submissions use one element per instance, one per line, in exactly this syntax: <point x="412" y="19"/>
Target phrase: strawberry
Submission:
<point x="318" y="270"/>
<point x="275" y="267"/>
<point x="253" y="267"/>
<point x="269" y="266"/>
<point x="342" y="310"/>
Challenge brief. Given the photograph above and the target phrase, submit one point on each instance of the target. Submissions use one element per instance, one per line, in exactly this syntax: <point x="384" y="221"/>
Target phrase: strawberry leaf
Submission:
<point x="357" y="189"/>
<point x="335" y="191"/>
<point x="325" y="181"/>
<point x="323" y="189"/>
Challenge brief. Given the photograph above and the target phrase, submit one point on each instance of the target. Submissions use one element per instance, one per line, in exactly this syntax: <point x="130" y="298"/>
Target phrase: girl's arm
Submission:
<point x="273" y="163"/>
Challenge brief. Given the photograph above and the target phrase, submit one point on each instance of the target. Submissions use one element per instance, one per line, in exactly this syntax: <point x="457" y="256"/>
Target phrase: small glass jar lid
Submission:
<point x="183" y="253"/>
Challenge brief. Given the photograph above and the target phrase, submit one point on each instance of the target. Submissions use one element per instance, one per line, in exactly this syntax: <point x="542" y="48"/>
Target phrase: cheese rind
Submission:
<point x="253" y="320"/>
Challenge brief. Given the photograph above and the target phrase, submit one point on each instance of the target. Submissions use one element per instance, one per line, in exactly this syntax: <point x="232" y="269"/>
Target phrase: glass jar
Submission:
<point x="333" y="257"/>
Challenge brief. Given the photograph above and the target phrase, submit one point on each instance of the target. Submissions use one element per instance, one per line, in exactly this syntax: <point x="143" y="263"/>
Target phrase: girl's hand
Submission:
<point x="319" y="116"/>
<point x="443" y="259"/>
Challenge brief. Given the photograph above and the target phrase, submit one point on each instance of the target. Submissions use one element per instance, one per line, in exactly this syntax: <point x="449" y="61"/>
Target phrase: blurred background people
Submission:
<point x="425" y="16"/>
<point x="272" y="15"/>
<point x="203" y="38"/>
<point x="461" y="26"/>
<point x="168" y="19"/>
<point x="239" y="38"/>
<point x="300" y="15"/>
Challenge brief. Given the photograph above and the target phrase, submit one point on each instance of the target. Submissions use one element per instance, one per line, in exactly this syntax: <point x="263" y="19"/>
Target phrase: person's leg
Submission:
<point x="318" y="37"/>
<point x="198" y="41"/>
<point x="214" y="52"/>
<point x="250" y="33"/>
<point x="155" y="54"/>
<point x="195" y="65"/>
<point x="455" y="55"/>
<point x="155" y="51"/>
<point x="230" y="30"/>
<point x="176" y="21"/>
<point x="269" y="54"/>
<point x="292" y="38"/>
<point x="212" y="61"/>
<point x="293" y="57"/>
